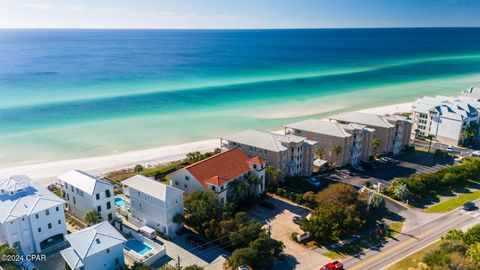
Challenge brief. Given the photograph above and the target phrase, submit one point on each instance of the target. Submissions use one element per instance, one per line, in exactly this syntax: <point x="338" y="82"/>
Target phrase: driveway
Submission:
<point x="280" y="220"/>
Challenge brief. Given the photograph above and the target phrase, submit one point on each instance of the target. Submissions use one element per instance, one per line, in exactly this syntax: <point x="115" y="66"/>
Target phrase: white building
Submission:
<point x="445" y="118"/>
<point x="153" y="203"/>
<point x="218" y="172"/>
<point x="31" y="217"/>
<point x="97" y="247"/>
<point x="84" y="193"/>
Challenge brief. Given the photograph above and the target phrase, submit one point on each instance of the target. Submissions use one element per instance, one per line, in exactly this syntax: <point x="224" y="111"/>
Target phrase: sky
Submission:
<point x="237" y="14"/>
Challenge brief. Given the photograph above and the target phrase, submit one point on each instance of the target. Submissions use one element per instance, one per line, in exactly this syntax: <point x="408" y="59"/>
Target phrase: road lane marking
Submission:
<point x="390" y="250"/>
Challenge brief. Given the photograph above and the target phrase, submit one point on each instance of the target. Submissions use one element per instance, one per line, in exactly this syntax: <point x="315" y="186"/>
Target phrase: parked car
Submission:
<point x="450" y="149"/>
<point x="368" y="164"/>
<point x="297" y="219"/>
<point x="468" y="206"/>
<point x="313" y="181"/>
<point x="335" y="265"/>
<point x="267" y="205"/>
<point x="196" y="242"/>
<point x="358" y="168"/>
<point x="335" y="177"/>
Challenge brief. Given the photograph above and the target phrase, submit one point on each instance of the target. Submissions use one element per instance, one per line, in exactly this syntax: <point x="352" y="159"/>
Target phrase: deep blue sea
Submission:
<point x="78" y="93"/>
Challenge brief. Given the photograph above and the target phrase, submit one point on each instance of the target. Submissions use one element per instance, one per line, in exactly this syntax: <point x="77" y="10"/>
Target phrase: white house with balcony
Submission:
<point x="97" y="247"/>
<point x="219" y="172"/>
<point x="31" y="217"/>
<point x="153" y="203"/>
<point x="84" y="192"/>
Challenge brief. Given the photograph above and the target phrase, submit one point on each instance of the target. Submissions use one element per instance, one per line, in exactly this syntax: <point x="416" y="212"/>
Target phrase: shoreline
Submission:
<point x="46" y="173"/>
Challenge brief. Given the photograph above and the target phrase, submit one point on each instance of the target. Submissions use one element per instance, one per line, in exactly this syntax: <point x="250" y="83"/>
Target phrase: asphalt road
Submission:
<point x="409" y="242"/>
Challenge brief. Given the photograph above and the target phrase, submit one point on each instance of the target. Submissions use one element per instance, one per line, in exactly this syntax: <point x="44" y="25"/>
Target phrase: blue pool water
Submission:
<point x="119" y="202"/>
<point x="137" y="246"/>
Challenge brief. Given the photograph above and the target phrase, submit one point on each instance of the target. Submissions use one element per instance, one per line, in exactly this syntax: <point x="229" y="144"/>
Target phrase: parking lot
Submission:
<point x="282" y="226"/>
<point x="406" y="163"/>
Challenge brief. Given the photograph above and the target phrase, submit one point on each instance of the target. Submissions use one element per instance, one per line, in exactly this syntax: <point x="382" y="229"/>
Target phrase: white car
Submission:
<point x="450" y="149"/>
<point x="314" y="182"/>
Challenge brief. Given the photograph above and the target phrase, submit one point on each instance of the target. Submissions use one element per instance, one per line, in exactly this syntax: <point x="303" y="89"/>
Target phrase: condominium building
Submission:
<point x="153" y="203"/>
<point x="84" y="192"/>
<point x="97" y="247"/>
<point x="339" y="144"/>
<point x="291" y="154"/>
<point x="219" y="172"/>
<point x="31" y="217"/>
<point x="445" y="118"/>
<point x="391" y="130"/>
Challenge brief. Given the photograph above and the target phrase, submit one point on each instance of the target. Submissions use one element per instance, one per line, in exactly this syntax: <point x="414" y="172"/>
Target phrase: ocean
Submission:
<point x="79" y="93"/>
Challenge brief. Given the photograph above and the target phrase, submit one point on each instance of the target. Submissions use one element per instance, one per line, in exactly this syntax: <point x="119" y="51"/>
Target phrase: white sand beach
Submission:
<point x="45" y="173"/>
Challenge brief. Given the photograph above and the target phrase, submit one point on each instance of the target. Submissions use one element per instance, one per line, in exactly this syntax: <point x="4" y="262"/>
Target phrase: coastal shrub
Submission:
<point x="299" y="198"/>
<point x="294" y="236"/>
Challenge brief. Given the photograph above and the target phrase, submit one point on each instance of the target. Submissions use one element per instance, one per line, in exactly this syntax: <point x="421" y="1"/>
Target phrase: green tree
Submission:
<point x="201" y="207"/>
<point x="6" y="250"/>
<point x="319" y="153"/>
<point x="253" y="181"/>
<point x="375" y="200"/>
<point x="375" y="144"/>
<point x="258" y="255"/>
<point x="273" y="175"/>
<point x="401" y="191"/>
<point x="138" y="168"/>
<point x="92" y="217"/>
<point x="473" y="253"/>
<point x="472" y="236"/>
<point x="337" y="149"/>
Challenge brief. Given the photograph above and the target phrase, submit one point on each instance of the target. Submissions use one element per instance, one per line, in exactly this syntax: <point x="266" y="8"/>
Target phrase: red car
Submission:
<point x="336" y="265"/>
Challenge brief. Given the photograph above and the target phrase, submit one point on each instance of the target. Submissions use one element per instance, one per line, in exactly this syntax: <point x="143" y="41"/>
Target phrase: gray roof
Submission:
<point x="32" y="199"/>
<point x="321" y="127"/>
<point x="367" y="119"/>
<point x="265" y="140"/>
<point x="85" y="182"/>
<point x="153" y="188"/>
<point x="14" y="183"/>
<point x="450" y="107"/>
<point x="90" y="241"/>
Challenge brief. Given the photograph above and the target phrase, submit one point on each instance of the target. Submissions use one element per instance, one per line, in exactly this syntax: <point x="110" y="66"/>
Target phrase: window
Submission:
<point x="176" y="183"/>
<point x="187" y="178"/>
<point x="185" y="185"/>
<point x="107" y="193"/>
<point x="140" y="205"/>
<point x="97" y="196"/>
<point x="68" y="197"/>
<point x="255" y="166"/>
<point x="213" y="188"/>
<point x="57" y="208"/>
<point x="71" y="187"/>
<point x="39" y="229"/>
<point x="47" y="212"/>
<point x="108" y="250"/>
<point x="117" y="261"/>
<point x="109" y="205"/>
<point x="66" y="186"/>
<point x="74" y="201"/>
<point x="110" y="217"/>
<point x="49" y="225"/>
<point x="36" y="216"/>
<point x="59" y="222"/>
<point x="99" y="208"/>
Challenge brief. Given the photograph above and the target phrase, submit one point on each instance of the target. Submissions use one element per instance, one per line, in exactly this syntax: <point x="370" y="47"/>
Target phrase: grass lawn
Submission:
<point x="412" y="260"/>
<point x="360" y="244"/>
<point x="158" y="171"/>
<point x="453" y="203"/>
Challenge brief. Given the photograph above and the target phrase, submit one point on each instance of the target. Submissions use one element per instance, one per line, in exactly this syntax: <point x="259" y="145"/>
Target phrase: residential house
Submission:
<point x="84" y="192"/>
<point x="153" y="203"/>
<point x="339" y="144"/>
<point x="291" y="154"/>
<point x="445" y="118"/>
<point x="31" y="217"/>
<point x="391" y="130"/>
<point x="97" y="247"/>
<point x="220" y="172"/>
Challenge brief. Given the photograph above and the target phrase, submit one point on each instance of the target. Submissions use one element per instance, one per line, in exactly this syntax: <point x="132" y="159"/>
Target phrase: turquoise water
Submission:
<point x="78" y="93"/>
<point x="137" y="246"/>
<point x="119" y="202"/>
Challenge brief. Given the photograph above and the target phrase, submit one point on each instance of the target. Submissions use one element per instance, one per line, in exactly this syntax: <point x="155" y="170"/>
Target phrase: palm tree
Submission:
<point x="375" y="200"/>
<point x="243" y="189"/>
<point x="319" y="153"/>
<point x="375" y="144"/>
<point x="92" y="217"/>
<point x="273" y="174"/>
<point x="253" y="181"/>
<point x="430" y="138"/>
<point x="337" y="149"/>
<point x="401" y="191"/>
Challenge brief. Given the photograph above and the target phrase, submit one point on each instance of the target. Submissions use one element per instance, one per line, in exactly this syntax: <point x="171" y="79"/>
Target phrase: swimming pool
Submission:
<point x="119" y="202"/>
<point x="137" y="246"/>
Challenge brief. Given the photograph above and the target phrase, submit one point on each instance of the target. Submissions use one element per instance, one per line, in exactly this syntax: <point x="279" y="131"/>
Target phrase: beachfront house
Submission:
<point x="153" y="203"/>
<point x="31" y="217"/>
<point x="84" y="192"/>
<point x="221" y="174"/>
<point x="293" y="155"/>
<point x="446" y="119"/>
<point x="340" y="144"/>
<point x="393" y="131"/>
<point x="97" y="247"/>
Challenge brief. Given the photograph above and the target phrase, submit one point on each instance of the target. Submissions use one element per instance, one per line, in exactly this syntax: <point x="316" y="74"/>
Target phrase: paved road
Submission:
<point x="406" y="243"/>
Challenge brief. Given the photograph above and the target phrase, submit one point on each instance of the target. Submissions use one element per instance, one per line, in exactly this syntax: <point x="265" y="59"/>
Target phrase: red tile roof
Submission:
<point x="220" y="168"/>
<point x="257" y="160"/>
